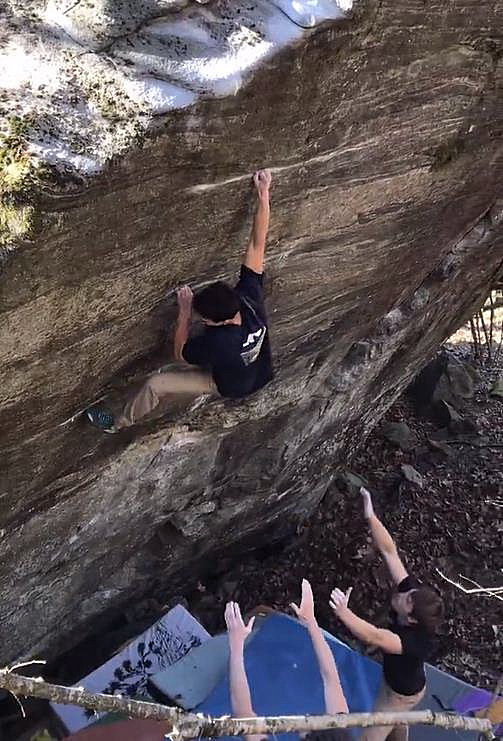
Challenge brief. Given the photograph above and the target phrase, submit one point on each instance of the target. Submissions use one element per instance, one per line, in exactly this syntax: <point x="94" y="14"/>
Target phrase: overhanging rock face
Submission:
<point x="383" y="130"/>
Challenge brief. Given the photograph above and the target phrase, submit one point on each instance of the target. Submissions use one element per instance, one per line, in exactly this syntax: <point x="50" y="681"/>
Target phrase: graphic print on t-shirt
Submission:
<point x="253" y="343"/>
<point x="250" y="356"/>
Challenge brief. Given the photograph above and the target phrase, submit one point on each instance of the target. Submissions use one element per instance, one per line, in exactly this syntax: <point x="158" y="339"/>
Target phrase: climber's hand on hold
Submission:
<point x="262" y="180"/>
<point x="254" y="255"/>
<point x="185" y="297"/>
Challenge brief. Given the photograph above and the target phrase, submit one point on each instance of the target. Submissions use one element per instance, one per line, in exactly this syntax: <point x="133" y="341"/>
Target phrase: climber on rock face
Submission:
<point x="232" y="355"/>
<point x="417" y="612"/>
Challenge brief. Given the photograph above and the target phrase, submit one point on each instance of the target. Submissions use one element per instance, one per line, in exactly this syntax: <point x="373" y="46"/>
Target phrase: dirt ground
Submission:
<point x="454" y="523"/>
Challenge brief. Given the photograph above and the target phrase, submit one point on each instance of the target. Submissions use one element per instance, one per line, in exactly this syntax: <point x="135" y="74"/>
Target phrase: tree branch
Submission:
<point x="37" y="687"/>
<point x="216" y="727"/>
<point x="488" y="591"/>
<point x="181" y="725"/>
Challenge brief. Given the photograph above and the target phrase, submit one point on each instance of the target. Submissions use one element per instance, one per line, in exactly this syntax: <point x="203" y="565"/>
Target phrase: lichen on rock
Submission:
<point x="20" y="176"/>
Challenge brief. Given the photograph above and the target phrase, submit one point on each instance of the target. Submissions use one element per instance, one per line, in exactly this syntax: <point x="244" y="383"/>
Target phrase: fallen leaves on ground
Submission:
<point x="451" y="523"/>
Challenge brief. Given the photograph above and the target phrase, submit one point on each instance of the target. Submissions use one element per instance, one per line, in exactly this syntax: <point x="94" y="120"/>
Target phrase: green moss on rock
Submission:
<point x="20" y="177"/>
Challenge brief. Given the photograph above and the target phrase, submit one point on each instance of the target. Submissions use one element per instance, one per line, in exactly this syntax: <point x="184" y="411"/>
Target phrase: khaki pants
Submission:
<point x="389" y="701"/>
<point x="190" y="382"/>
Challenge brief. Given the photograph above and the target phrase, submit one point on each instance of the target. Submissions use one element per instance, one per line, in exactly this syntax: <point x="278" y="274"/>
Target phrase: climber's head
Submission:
<point x="421" y="606"/>
<point x="217" y="304"/>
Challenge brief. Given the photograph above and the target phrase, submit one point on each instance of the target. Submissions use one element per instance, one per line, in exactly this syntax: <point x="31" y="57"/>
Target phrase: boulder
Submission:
<point x="351" y="482"/>
<point x="446" y="378"/>
<point x="412" y="476"/>
<point x="497" y="388"/>
<point x="128" y="142"/>
<point x="456" y="382"/>
<point x="441" y="389"/>
<point x="400" y="435"/>
<point x="441" y="446"/>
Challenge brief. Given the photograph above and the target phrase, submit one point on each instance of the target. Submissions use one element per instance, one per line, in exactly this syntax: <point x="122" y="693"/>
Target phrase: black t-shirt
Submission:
<point x="404" y="672"/>
<point x="239" y="357"/>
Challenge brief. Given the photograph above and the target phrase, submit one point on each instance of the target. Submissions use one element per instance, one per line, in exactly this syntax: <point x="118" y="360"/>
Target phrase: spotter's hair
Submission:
<point x="428" y="608"/>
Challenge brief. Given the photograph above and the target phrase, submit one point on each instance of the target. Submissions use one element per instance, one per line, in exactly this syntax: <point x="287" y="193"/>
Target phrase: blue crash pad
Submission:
<point x="190" y="680"/>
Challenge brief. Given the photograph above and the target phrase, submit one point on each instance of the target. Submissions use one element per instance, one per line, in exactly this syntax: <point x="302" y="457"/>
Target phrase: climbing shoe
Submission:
<point x="101" y="419"/>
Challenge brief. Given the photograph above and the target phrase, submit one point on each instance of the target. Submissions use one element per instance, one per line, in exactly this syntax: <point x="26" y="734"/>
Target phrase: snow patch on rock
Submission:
<point x="91" y="77"/>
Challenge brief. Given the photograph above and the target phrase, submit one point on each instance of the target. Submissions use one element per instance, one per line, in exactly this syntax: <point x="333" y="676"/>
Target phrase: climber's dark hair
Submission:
<point x="217" y="302"/>
<point x="428" y="608"/>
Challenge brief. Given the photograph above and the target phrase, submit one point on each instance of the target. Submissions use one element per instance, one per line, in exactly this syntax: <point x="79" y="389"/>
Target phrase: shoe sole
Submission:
<point x="109" y="430"/>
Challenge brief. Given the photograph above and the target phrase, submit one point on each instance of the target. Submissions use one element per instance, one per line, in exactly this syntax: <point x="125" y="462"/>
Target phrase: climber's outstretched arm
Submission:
<point x="241" y="702"/>
<point x="254" y="255"/>
<point x="335" y="701"/>
<point x="383" y="540"/>
<point x="386" y="640"/>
